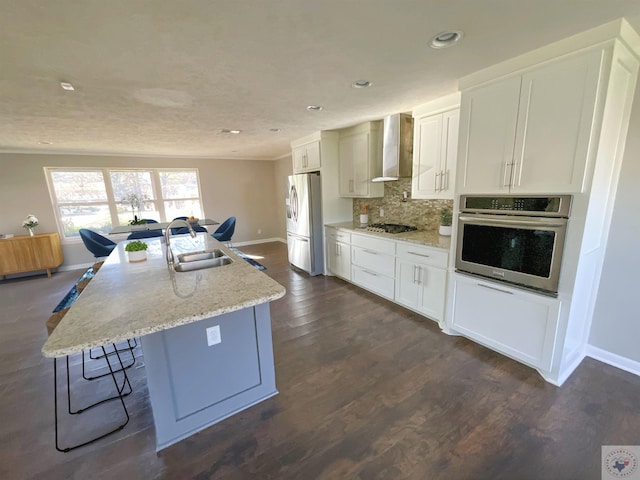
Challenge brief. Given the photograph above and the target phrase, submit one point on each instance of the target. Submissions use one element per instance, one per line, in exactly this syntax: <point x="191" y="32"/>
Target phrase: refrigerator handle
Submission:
<point x="294" y="203"/>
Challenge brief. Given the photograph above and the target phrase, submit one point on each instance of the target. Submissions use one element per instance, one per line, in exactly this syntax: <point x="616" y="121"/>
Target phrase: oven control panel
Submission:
<point x="558" y="205"/>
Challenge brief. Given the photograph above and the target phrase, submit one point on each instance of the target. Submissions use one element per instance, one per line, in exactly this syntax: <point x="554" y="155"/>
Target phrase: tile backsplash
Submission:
<point x="424" y="214"/>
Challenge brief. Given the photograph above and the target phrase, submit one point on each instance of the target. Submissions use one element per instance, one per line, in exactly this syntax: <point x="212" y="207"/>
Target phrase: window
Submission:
<point x="102" y="198"/>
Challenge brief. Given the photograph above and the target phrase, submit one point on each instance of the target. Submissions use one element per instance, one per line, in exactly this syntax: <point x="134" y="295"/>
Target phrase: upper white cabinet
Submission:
<point x="530" y="133"/>
<point x="360" y="154"/>
<point x="435" y="150"/>
<point x="306" y="157"/>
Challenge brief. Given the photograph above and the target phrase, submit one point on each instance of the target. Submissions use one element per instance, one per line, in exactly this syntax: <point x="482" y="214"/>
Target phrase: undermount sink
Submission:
<point x="188" y="262"/>
<point x="201" y="255"/>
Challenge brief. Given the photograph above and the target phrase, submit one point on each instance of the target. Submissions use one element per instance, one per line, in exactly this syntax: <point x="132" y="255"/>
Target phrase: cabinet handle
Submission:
<point x="494" y="288"/>
<point x="507" y="179"/>
<point x="369" y="251"/>
<point x="446" y="183"/>
<point x="418" y="270"/>
<point x="435" y="182"/>
<point x="370" y="273"/>
<point x="441" y="181"/>
<point x="419" y="254"/>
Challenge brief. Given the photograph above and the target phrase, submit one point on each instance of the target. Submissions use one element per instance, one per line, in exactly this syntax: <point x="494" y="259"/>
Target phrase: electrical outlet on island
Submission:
<point x="381" y="212"/>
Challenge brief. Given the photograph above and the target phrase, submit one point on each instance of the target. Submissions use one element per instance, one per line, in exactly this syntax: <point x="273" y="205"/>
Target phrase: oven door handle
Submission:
<point x="528" y="222"/>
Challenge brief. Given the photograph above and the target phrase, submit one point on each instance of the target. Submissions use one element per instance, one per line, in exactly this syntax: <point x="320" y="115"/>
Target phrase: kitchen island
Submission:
<point x="205" y="334"/>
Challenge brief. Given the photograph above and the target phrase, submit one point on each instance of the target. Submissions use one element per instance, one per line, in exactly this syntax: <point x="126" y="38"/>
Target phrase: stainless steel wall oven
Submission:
<point x="513" y="239"/>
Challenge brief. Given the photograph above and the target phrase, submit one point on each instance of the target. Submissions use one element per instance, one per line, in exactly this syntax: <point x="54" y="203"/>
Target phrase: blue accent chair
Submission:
<point x="98" y="245"/>
<point x="174" y="231"/>
<point x="225" y="231"/>
<point x="183" y="230"/>
<point x="145" y="233"/>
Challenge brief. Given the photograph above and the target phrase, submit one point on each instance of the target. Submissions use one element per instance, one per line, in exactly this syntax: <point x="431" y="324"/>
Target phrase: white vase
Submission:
<point x="445" y="230"/>
<point x="139" y="256"/>
<point x="364" y="219"/>
<point x="31" y="232"/>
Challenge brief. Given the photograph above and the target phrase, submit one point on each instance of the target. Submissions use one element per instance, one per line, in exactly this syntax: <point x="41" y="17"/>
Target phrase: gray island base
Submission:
<point x="205" y="334"/>
<point x="201" y="373"/>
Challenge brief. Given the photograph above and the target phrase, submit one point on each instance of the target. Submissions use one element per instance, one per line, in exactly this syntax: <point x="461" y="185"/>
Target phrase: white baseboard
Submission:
<point x="618" y="361"/>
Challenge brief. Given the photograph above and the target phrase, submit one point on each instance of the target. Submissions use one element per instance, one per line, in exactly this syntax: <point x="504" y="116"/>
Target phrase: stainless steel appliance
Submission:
<point x="397" y="147"/>
<point x="513" y="239"/>
<point x="304" y="222"/>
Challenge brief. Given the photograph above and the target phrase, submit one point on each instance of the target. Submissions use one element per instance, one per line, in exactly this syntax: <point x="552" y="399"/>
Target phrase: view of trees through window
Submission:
<point x="100" y="199"/>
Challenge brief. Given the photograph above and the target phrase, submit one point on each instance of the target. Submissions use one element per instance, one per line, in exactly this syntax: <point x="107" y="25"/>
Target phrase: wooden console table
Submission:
<point x="29" y="254"/>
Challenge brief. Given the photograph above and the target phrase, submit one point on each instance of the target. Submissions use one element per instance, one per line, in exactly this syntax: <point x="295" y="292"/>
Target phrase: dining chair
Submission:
<point x="183" y="230"/>
<point x="98" y="245"/>
<point x="174" y="231"/>
<point x="144" y="234"/>
<point x="225" y="231"/>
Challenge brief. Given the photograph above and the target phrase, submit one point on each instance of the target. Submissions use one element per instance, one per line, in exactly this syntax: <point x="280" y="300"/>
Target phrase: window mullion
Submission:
<point x="159" y="199"/>
<point x="113" y="207"/>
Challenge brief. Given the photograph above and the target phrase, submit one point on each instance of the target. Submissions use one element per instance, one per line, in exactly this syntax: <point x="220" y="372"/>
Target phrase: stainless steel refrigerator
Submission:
<point x="304" y="222"/>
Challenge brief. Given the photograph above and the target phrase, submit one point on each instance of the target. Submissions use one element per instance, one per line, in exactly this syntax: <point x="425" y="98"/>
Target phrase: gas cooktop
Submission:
<point x="390" y="228"/>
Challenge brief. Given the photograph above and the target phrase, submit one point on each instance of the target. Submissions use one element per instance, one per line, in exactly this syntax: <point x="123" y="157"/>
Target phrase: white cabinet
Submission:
<point x="435" y="151"/>
<point x="519" y="324"/>
<point x="306" y="157"/>
<point x="339" y="252"/>
<point x="360" y="157"/>
<point x="373" y="264"/>
<point x="530" y="133"/>
<point x="421" y="279"/>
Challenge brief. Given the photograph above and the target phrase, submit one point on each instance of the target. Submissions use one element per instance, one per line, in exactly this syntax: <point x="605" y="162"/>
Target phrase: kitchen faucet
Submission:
<point x="167" y="234"/>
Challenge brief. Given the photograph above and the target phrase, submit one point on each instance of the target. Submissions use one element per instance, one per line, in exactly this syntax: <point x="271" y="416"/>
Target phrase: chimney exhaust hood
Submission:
<point x="397" y="147"/>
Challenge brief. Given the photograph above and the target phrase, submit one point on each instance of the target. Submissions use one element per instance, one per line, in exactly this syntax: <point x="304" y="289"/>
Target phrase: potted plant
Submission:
<point x="136" y="250"/>
<point x="446" y="218"/>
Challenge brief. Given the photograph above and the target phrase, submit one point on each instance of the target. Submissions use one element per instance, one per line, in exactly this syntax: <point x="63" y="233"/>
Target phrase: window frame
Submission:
<point x="113" y="203"/>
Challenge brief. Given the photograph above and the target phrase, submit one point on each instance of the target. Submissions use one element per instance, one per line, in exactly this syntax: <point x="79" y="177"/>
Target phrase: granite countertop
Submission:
<point x="430" y="238"/>
<point x="126" y="300"/>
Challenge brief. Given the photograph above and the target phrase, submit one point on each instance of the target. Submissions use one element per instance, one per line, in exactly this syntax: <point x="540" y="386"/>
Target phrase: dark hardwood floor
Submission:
<point x="368" y="390"/>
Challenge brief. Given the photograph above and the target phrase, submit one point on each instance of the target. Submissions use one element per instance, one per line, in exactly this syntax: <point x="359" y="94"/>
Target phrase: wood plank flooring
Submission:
<point x="368" y="390"/>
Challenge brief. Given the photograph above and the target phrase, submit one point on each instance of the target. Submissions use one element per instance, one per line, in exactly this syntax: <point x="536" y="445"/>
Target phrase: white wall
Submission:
<point x="616" y="320"/>
<point x="246" y="189"/>
<point x="283" y="168"/>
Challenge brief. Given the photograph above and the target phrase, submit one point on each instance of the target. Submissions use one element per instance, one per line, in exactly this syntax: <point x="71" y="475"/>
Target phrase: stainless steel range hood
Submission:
<point x="397" y="147"/>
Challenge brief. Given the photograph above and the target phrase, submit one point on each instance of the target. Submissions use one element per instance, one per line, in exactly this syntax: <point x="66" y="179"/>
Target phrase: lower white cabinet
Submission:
<point x="509" y="320"/>
<point x="421" y="279"/>
<point x="339" y="252"/>
<point x="373" y="264"/>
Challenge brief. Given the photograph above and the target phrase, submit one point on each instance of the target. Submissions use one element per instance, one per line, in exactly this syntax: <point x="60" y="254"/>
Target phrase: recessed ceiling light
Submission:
<point x="274" y="129"/>
<point x="314" y="108"/>
<point x="67" y="86"/>
<point x="446" y="39"/>
<point x="361" y="84"/>
<point x="44" y="142"/>
<point x="226" y="130"/>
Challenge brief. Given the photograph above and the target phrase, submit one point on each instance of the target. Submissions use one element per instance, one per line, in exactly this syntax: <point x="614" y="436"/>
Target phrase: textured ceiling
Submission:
<point x="164" y="77"/>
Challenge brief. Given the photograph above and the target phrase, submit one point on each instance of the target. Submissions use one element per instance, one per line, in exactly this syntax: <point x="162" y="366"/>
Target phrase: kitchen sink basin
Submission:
<point x="201" y="255"/>
<point x="201" y="263"/>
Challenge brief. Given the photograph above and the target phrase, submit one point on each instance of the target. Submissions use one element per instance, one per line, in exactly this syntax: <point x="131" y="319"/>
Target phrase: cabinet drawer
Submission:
<point x="374" y="261"/>
<point x="339" y="235"/>
<point x="422" y="254"/>
<point x="376" y="282"/>
<point x="373" y="243"/>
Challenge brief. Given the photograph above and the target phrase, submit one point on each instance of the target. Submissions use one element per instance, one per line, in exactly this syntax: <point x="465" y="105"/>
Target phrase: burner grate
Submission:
<point x="390" y="228"/>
